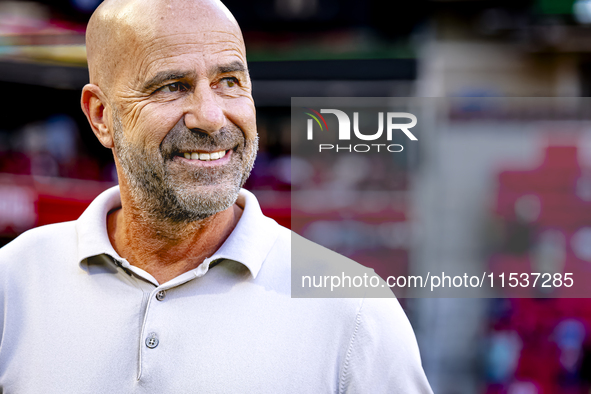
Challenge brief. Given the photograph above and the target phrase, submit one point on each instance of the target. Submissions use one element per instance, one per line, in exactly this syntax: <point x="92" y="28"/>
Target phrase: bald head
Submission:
<point x="120" y="31"/>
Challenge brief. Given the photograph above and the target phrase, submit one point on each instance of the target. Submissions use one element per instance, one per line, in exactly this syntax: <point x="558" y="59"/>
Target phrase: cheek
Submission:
<point x="152" y="123"/>
<point x="243" y="114"/>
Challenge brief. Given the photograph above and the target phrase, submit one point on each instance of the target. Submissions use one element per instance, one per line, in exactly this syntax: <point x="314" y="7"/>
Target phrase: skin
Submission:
<point x="199" y="47"/>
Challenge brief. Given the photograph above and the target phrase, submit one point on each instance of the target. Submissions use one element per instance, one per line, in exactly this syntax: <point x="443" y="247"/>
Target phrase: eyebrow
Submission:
<point x="164" y="76"/>
<point x="235" y="66"/>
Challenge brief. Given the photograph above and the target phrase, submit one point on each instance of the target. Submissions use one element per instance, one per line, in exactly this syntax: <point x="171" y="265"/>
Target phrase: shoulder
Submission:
<point x="317" y="271"/>
<point x="311" y="270"/>
<point x="380" y="348"/>
<point x="39" y="244"/>
<point x="303" y="251"/>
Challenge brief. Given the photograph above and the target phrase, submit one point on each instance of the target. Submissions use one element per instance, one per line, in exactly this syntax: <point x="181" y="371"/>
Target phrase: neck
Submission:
<point x="165" y="249"/>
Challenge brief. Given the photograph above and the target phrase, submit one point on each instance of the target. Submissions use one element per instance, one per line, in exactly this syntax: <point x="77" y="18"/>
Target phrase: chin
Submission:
<point x="205" y="201"/>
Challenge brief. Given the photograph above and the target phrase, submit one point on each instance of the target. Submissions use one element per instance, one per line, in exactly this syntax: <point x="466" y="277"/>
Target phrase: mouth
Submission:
<point x="205" y="156"/>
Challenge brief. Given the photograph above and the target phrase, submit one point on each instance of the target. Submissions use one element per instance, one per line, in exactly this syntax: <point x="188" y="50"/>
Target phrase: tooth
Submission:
<point x="214" y="156"/>
<point x="195" y="156"/>
<point x="187" y="155"/>
<point x="203" y="156"/>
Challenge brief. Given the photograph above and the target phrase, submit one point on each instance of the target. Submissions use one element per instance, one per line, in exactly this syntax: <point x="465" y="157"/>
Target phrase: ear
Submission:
<point x="94" y="106"/>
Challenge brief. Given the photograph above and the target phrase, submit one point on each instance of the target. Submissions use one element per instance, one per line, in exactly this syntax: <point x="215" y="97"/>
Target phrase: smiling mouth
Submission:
<point x="201" y="156"/>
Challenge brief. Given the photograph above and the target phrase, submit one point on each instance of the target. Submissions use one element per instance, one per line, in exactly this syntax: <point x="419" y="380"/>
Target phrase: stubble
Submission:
<point x="164" y="189"/>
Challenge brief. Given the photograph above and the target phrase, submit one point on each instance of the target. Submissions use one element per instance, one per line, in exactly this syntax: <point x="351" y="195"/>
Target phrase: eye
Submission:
<point x="230" y="81"/>
<point x="173" y="87"/>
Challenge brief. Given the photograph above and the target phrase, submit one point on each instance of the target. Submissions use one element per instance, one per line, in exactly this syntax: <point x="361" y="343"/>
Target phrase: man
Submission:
<point x="174" y="282"/>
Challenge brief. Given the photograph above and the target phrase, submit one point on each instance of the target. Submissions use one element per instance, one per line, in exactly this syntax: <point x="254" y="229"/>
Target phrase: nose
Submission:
<point x="204" y="110"/>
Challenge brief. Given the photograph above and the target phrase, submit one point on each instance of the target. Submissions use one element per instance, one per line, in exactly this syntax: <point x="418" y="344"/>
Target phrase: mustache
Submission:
<point x="182" y="139"/>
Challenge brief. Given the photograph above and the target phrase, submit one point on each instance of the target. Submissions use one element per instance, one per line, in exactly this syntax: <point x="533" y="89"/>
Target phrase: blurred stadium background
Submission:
<point x="524" y="197"/>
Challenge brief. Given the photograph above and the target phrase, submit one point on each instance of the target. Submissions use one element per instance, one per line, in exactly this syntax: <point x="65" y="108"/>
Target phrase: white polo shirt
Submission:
<point x="75" y="317"/>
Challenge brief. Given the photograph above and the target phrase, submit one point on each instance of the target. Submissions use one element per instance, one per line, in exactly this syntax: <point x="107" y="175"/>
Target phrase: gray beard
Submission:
<point x="168" y="192"/>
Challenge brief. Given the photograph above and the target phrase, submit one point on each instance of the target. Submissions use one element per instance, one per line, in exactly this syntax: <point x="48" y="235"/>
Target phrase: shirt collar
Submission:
<point x="249" y="243"/>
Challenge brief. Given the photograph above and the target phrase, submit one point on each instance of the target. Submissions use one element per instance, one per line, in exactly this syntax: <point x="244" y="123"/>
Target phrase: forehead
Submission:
<point x="190" y="50"/>
<point x="180" y="37"/>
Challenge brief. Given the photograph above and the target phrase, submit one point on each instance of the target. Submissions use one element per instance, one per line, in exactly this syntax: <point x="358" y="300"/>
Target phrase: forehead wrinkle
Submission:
<point x="151" y="67"/>
<point x="235" y="51"/>
<point x="238" y="37"/>
<point x="200" y="40"/>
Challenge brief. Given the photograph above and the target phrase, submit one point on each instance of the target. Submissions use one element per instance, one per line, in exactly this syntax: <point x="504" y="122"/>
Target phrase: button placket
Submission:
<point x="148" y="339"/>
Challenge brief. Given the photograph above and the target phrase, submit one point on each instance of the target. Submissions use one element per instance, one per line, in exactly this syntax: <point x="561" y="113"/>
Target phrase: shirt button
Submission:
<point x="160" y="295"/>
<point x="152" y="340"/>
